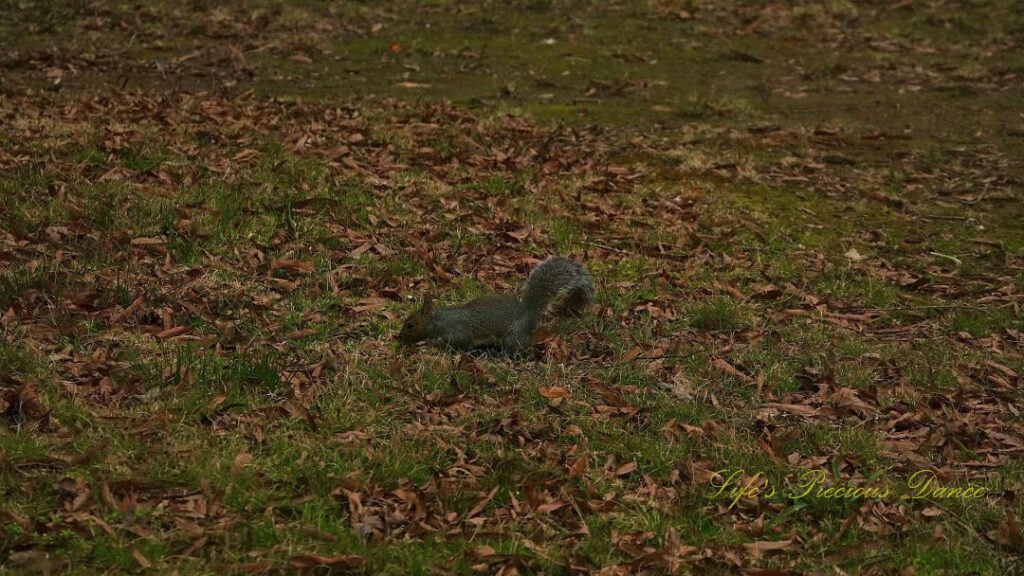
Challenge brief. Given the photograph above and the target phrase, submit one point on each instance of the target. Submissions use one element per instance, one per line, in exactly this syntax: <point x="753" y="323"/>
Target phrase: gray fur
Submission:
<point x="505" y="322"/>
<point x="553" y="278"/>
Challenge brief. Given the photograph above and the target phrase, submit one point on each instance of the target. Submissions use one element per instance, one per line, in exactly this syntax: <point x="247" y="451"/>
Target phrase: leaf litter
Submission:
<point x="91" y="298"/>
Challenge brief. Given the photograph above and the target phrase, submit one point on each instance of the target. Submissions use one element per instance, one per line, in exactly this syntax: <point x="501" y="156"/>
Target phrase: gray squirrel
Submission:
<point x="500" y="320"/>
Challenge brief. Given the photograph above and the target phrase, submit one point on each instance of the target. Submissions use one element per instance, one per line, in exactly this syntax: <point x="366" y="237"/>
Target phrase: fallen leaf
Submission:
<point x="553" y="392"/>
<point x="308" y="561"/>
<point x="23" y="400"/>
<point x="172" y="332"/>
<point x="147" y="241"/>
<point x="288" y="264"/>
<point x="757" y="549"/>
<point x="261" y="566"/>
<point x="626" y="468"/>
<point x="631" y="354"/>
<point x="139" y="558"/>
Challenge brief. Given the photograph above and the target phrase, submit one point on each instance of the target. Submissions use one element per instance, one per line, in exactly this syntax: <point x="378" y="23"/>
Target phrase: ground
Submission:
<point x="803" y="220"/>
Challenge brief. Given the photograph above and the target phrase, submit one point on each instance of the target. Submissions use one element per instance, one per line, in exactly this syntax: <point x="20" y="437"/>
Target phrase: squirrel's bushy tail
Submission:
<point x="553" y="278"/>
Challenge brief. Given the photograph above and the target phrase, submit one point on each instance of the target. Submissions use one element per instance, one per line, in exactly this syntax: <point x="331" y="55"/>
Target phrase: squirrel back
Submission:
<point x="500" y="320"/>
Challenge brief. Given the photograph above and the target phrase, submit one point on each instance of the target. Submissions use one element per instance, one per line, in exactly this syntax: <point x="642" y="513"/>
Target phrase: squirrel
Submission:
<point x="500" y="320"/>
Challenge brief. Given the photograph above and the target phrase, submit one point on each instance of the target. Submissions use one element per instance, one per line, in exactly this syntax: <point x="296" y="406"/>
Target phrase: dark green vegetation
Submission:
<point x="804" y="222"/>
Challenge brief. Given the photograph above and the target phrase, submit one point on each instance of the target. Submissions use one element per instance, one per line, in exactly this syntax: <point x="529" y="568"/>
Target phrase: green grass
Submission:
<point x="285" y="421"/>
<point x="718" y="315"/>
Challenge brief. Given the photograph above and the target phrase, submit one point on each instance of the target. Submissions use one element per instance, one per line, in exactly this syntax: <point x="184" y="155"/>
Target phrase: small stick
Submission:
<point x="948" y="257"/>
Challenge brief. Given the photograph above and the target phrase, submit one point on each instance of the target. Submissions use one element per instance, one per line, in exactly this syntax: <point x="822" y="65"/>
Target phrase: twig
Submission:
<point x="948" y="257"/>
<point x="613" y="249"/>
<point x="964" y="524"/>
<point x="690" y="355"/>
<point x="923" y="307"/>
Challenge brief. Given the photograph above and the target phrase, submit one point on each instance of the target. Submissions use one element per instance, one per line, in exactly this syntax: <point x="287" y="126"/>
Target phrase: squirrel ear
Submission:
<point x="428" y="304"/>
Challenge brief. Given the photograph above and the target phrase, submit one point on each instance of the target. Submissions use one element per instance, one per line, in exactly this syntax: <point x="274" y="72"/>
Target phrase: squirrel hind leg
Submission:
<point x="517" y="343"/>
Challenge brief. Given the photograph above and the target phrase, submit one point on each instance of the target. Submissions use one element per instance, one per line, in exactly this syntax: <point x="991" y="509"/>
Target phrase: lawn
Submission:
<point x="803" y="221"/>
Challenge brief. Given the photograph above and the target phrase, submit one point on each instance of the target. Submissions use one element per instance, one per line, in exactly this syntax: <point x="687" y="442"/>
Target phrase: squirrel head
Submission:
<point x="416" y="327"/>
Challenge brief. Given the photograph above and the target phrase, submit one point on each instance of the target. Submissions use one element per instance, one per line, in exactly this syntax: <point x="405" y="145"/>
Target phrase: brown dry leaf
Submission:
<point x="380" y="143"/>
<point x="314" y="562"/>
<point x="626" y="468"/>
<point x="553" y="392"/>
<point x="801" y="409"/>
<point x="358" y="250"/>
<point x="261" y="566"/>
<point x="147" y="241"/>
<point x="673" y="427"/>
<point x="856" y="551"/>
<point x="28" y="558"/>
<point x="679" y="386"/>
<point x="246" y="154"/>
<point x="768" y="292"/>
<point x="289" y="264"/>
<point x="579" y="467"/>
<point x="299" y="334"/>
<point x="631" y="354"/>
<point x="216" y="401"/>
<point x="549" y="507"/>
<point x="241" y="461"/>
<point x="1006" y="370"/>
<point x="479" y="507"/>
<point x="85" y="299"/>
<point x="757" y="549"/>
<point x="483" y="551"/>
<point x="1008" y="533"/>
<point x="520" y="234"/>
<point x="23" y="400"/>
<point x="88" y="455"/>
<point x="847" y="400"/>
<point x="299" y="410"/>
<point x="338" y="151"/>
<point x="172" y="332"/>
<point x="995" y="243"/>
<point x="139" y="558"/>
<point x="727" y="368"/>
